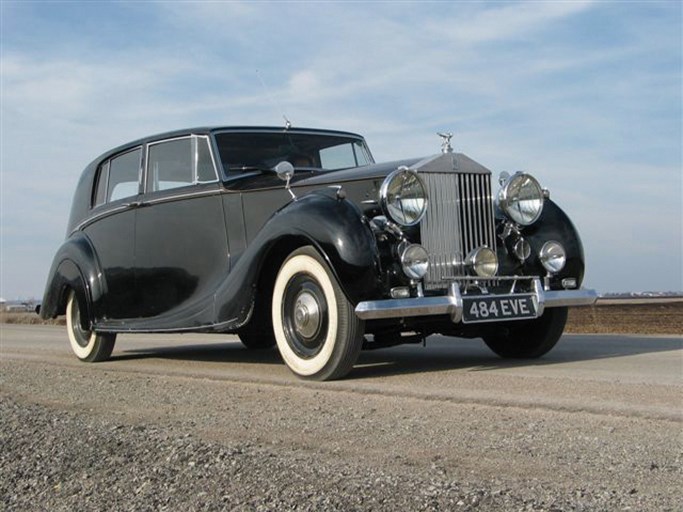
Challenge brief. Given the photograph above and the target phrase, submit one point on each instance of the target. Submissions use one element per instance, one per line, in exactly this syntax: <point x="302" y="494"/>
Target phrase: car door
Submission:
<point x="111" y="232"/>
<point x="181" y="243"/>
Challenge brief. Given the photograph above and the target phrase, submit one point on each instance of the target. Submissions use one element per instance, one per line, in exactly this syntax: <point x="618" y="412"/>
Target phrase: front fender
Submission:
<point x="338" y="230"/>
<point x="75" y="266"/>
<point x="554" y="224"/>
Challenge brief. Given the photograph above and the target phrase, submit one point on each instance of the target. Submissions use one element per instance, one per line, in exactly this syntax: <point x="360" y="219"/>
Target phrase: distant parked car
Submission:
<point x="296" y="237"/>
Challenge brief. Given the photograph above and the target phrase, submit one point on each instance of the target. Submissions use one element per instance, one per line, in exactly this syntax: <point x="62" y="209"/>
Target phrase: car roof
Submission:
<point x="207" y="130"/>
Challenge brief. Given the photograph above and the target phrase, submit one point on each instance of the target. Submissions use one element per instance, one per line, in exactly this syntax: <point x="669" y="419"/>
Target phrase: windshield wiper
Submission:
<point x="246" y="168"/>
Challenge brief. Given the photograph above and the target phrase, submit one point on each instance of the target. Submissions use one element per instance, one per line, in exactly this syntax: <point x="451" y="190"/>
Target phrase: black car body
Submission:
<point x="296" y="237"/>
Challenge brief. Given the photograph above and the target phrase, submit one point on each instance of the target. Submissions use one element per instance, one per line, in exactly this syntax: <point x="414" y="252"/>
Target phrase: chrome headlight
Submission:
<point x="521" y="198"/>
<point x="415" y="261"/>
<point x="403" y="197"/>
<point x="482" y="262"/>
<point x="553" y="256"/>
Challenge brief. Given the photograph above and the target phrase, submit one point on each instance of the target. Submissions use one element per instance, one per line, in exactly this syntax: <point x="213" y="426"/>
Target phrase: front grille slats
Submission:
<point x="459" y="219"/>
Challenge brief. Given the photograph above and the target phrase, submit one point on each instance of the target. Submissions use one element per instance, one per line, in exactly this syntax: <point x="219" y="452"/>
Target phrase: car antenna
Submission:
<point x="277" y="106"/>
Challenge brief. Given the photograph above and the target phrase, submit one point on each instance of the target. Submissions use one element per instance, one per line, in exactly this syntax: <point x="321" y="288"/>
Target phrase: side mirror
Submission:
<point x="285" y="171"/>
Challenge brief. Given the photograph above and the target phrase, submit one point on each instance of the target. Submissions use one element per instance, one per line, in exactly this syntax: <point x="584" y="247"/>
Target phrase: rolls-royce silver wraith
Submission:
<point x="297" y="238"/>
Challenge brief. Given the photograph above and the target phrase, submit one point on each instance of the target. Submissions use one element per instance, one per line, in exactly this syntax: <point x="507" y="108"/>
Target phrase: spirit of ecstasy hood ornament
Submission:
<point x="446" y="142"/>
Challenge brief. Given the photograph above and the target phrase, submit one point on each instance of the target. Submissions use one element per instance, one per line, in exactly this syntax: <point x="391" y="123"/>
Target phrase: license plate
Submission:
<point x="491" y="309"/>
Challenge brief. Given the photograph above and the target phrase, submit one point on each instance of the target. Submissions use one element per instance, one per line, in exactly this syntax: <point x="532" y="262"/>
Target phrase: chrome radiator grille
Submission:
<point x="459" y="219"/>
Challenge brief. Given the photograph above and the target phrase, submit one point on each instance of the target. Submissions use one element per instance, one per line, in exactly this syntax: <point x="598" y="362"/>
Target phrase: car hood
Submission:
<point x="448" y="162"/>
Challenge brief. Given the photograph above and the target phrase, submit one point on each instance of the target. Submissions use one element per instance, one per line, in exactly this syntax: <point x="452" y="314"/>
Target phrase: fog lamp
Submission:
<point x="482" y="262"/>
<point x="415" y="261"/>
<point x="553" y="256"/>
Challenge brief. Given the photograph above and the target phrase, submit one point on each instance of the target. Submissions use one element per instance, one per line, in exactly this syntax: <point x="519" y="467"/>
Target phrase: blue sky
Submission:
<point x="584" y="95"/>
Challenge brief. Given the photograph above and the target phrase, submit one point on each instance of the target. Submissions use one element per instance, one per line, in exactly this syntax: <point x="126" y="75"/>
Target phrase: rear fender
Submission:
<point x="75" y="267"/>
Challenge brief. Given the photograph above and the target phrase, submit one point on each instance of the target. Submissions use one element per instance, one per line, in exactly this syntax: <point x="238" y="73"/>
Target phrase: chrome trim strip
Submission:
<point x="452" y="304"/>
<point x="99" y="216"/>
<point x="176" y="197"/>
<point x="134" y="203"/>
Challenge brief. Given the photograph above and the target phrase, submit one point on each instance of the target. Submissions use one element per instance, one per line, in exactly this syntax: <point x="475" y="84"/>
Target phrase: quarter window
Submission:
<point x="206" y="171"/>
<point x="102" y="181"/>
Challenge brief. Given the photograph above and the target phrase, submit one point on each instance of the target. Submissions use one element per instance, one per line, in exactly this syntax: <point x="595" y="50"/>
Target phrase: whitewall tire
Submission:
<point x="88" y="345"/>
<point x="316" y="329"/>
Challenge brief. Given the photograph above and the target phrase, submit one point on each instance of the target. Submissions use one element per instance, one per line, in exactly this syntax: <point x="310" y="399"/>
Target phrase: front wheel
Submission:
<point x="88" y="345"/>
<point x="529" y="340"/>
<point x="316" y="328"/>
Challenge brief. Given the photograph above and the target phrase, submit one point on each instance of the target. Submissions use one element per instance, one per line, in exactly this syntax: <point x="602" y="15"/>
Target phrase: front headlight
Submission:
<point x="521" y="198"/>
<point x="403" y="197"/>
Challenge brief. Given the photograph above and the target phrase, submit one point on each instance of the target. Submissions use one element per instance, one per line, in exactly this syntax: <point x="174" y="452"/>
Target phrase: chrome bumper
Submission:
<point x="452" y="304"/>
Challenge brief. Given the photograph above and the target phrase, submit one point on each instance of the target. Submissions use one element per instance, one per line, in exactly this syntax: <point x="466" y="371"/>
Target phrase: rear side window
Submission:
<point x="124" y="175"/>
<point x="179" y="163"/>
<point x="118" y="177"/>
<point x="101" y="188"/>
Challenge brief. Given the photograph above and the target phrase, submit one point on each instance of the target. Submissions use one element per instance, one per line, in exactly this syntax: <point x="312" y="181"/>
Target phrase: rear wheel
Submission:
<point x="529" y="340"/>
<point x="316" y="328"/>
<point x="88" y="345"/>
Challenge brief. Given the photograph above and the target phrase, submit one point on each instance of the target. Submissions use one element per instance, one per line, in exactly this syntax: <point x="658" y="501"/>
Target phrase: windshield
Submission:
<point x="247" y="151"/>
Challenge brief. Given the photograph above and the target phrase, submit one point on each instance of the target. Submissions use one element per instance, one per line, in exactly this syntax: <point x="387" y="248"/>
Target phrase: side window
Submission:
<point x="179" y="163"/>
<point x="206" y="172"/>
<point x="169" y="165"/>
<point x="124" y="175"/>
<point x="101" y="187"/>
<point x="338" y="157"/>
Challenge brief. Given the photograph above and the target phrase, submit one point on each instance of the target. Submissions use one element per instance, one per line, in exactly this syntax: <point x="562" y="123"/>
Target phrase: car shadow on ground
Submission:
<point x="230" y="352"/>
<point x="440" y="354"/>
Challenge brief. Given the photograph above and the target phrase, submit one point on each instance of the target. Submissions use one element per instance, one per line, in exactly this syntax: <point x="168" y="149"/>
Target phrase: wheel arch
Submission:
<point x="337" y="230"/>
<point x="75" y="267"/>
<point x="340" y="233"/>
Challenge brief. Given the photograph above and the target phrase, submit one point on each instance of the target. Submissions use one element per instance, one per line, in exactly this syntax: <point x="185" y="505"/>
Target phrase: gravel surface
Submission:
<point x="85" y="438"/>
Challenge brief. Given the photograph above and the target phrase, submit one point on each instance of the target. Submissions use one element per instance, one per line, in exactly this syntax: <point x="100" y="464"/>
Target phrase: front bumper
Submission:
<point x="452" y="303"/>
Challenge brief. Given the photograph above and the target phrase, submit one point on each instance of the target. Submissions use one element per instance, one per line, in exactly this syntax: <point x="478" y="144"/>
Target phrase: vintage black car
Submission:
<point x="295" y="237"/>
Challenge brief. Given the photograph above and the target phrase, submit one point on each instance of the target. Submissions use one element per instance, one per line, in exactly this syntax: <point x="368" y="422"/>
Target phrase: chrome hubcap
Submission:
<point x="82" y="336"/>
<point x="306" y="315"/>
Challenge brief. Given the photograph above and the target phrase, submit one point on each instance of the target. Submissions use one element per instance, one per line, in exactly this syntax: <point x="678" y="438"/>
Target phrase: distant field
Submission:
<point x="28" y="318"/>
<point x="648" y="316"/>
<point x="620" y="316"/>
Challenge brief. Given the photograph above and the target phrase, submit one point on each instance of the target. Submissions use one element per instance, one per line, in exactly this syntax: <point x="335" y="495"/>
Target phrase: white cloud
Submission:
<point x="503" y="21"/>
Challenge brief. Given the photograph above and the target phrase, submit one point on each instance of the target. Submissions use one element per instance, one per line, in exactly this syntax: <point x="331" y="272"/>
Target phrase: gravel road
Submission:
<point x="186" y="423"/>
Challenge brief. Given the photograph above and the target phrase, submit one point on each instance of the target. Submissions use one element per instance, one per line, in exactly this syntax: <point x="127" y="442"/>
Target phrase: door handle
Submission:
<point x="136" y="204"/>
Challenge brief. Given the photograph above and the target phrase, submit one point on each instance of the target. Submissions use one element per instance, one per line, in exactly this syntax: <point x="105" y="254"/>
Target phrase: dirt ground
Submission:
<point x="656" y="318"/>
